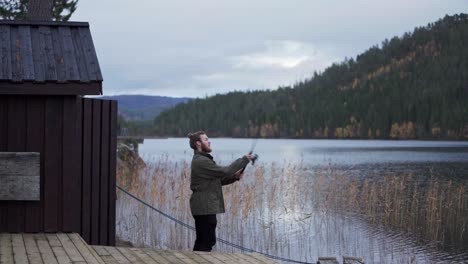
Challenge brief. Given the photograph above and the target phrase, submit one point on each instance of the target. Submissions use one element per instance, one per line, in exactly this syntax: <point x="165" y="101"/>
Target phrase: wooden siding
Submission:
<point x="76" y="140"/>
<point x="34" y="53"/>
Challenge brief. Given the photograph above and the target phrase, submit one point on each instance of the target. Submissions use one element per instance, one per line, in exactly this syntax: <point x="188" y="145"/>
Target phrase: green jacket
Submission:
<point x="206" y="182"/>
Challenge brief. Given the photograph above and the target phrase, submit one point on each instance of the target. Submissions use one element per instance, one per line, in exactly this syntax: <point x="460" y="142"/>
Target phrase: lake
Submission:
<point x="277" y="207"/>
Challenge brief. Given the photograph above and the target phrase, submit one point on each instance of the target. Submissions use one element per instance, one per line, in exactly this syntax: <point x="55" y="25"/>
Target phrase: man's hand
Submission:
<point x="250" y="157"/>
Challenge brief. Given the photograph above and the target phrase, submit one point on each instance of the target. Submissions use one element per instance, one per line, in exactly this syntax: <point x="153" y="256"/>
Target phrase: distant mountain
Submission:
<point x="144" y="107"/>
<point x="413" y="86"/>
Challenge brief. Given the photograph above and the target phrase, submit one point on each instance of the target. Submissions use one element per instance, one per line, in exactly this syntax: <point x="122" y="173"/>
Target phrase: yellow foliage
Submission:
<point x="404" y="131"/>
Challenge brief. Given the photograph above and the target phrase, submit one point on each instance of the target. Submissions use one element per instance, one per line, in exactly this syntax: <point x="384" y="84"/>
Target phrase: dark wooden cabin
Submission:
<point x="46" y="69"/>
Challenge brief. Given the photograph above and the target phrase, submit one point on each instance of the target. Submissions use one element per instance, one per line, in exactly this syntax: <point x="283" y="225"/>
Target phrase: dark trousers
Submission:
<point x="205" y="226"/>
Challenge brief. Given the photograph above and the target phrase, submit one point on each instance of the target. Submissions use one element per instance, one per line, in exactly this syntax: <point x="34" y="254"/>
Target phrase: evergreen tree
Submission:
<point x="414" y="86"/>
<point x="62" y="10"/>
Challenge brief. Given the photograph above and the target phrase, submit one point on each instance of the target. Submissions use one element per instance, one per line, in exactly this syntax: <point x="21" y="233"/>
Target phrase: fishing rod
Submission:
<point x="255" y="156"/>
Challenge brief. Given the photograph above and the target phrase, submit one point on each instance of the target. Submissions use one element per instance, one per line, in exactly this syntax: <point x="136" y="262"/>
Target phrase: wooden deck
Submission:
<point x="71" y="248"/>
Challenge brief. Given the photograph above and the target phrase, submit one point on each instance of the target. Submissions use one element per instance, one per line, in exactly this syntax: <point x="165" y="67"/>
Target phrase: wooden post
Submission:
<point x="327" y="260"/>
<point x="352" y="260"/>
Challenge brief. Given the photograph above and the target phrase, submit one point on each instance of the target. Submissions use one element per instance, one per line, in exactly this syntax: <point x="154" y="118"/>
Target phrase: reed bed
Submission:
<point x="289" y="210"/>
<point x="434" y="209"/>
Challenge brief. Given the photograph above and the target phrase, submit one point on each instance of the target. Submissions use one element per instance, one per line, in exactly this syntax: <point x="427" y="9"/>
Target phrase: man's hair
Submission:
<point x="194" y="137"/>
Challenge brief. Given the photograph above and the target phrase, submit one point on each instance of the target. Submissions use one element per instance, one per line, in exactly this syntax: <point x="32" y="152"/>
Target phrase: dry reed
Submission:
<point x="280" y="207"/>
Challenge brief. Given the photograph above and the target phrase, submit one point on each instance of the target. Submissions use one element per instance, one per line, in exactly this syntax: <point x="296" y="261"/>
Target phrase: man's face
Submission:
<point x="205" y="144"/>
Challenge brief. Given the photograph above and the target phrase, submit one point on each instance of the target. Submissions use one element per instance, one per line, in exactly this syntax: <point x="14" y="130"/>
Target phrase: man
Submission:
<point x="206" y="182"/>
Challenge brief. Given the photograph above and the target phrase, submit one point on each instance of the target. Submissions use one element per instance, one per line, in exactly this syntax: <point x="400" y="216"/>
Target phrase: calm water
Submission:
<point x="355" y="157"/>
<point x="339" y="235"/>
<point x="319" y="152"/>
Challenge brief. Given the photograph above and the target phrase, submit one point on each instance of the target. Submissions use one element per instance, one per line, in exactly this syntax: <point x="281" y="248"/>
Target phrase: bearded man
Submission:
<point x="206" y="181"/>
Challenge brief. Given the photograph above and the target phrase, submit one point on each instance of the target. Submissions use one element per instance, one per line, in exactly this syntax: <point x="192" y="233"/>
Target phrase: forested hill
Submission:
<point x="412" y="86"/>
<point x="143" y="107"/>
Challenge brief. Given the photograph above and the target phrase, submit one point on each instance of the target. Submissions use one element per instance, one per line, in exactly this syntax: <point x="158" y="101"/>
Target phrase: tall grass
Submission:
<point x="288" y="210"/>
<point x="434" y="209"/>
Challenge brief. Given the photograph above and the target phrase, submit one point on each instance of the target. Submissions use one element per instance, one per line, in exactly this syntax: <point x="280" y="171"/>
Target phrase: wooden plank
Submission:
<point x="71" y="194"/>
<point x="30" y="88"/>
<point x="4" y="122"/>
<point x="4" y="147"/>
<point x="236" y="258"/>
<point x="194" y="256"/>
<point x="183" y="257"/>
<point x="34" y="142"/>
<point x="109" y="260"/>
<point x="133" y="258"/>
<point x="34" y="256"/>
<point x="156" y="256"/>
<point x="79" y="55"/>
<point x="352" y="260"/>
<point x="117" y="255"/>
<point x="61" y="255"/>
<point x="112" y="171"/>
<point x="16" y="143"/>
<point x="53" y="240"/>
<point x="44" y="248"/>
<point x="104" y="255"/>
<point x="38" y="55"/>
<point x="95" y="171"/>
<point x="101" y="250"/>
<point x="94" y="72"/>
<point x="19" y="176"/>
<point x="86" y="157"/>
<point x="208" y="257"/>
<point x="86" y="251"/>
<point x="225" y="258"/>
<point x="44" y="23"/>
<point x="104" y="173"/>
<point x="170" y="256"/>
<point x="16" y="124"/>
<point x="261" y="258"/>
<point x="71" y="68"/>
<point x="26" y="52"/>
<point x="16" y="58"/>
<point x="19" y="250"/>
<point x="244" y="258"/>
<point x="69" y="247"/>
<point x="19" y="164"/>
<point x="58" y="55"/>
<point x="52" y="164"/>
<point x="145" y="258"/>
<point x="5" y="53"/>
<point x="50" y="73"/>
<point x="327" y="260"/>
<point x="6" y="249"/>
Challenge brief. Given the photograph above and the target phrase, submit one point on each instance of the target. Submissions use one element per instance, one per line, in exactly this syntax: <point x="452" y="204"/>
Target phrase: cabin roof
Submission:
<point x="56" y="58"/>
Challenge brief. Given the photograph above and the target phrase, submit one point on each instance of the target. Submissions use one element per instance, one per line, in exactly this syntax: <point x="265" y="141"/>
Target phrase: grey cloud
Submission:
<point x="188" y="48"/>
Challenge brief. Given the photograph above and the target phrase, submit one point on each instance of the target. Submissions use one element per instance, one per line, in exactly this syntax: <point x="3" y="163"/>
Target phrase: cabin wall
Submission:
<point x="76" y="139"/>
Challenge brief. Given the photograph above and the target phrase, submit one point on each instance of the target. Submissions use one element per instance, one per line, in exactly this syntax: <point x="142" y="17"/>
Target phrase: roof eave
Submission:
<point x="34" y="88"/>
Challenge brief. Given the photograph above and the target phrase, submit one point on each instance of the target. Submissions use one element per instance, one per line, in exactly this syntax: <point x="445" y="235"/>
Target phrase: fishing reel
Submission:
<point x="255" y="157"/>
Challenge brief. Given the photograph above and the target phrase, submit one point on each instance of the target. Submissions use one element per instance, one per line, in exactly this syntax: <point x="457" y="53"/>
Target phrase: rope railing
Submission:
<point x="243" y="249"/>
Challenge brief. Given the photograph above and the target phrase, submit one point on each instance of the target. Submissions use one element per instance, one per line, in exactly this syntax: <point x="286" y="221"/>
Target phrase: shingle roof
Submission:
<point x="48" y="58"/>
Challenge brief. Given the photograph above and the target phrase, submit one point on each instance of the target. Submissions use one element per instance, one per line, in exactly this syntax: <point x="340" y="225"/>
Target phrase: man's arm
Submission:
<point x="209" y="170"/>
<point x="232" y="178"/>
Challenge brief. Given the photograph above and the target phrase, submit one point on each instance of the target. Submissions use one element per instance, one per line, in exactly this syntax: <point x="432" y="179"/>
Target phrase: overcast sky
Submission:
<point x="198" y="48"/>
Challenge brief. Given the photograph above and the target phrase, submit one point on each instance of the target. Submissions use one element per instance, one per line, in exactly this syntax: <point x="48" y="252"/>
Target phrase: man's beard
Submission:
<point x="206" y="148"/>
